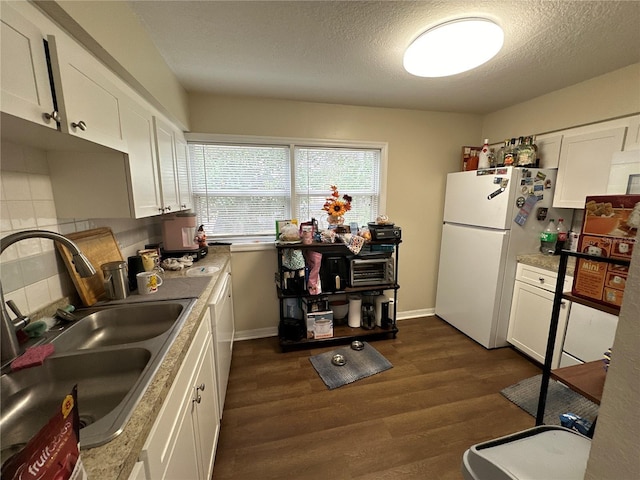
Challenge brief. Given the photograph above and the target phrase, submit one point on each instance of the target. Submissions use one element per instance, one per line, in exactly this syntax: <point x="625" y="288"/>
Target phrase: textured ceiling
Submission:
<point x="350" y="52"/>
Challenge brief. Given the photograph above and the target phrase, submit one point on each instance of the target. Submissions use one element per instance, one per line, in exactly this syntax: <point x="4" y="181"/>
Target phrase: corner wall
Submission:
<point x="615" y="94"/>
<point x="422" y="148"/>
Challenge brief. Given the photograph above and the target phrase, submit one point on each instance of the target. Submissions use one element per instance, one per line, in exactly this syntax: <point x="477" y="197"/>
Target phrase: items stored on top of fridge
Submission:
<point x="470" y="158"/>
<point x="484" y="155"/>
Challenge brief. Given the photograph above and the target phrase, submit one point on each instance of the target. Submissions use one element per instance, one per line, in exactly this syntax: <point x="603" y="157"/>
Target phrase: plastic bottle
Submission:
<point x="549" y="238"/>
<point x="483" y="157"/>
<point x="563" y="235"/>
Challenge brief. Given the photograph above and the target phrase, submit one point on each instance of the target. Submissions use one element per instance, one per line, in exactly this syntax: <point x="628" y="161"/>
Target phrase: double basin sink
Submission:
<point x="110" y="352"/>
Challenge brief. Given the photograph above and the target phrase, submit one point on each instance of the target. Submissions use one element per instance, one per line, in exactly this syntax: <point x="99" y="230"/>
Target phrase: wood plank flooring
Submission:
<point x="413" y="421"/>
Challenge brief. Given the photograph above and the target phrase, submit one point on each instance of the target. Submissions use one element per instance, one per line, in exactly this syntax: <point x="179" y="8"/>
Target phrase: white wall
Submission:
<point x="422" y="148"/>
<point x="615" y="94"/>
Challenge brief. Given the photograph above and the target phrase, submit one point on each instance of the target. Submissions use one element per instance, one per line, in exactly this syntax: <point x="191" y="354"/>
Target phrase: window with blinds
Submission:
<point x="239" y="191"/>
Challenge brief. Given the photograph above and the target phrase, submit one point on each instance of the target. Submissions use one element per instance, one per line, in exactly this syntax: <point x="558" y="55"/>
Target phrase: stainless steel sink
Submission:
<point x="111" y="353"/>
<point x="118" y="325"/>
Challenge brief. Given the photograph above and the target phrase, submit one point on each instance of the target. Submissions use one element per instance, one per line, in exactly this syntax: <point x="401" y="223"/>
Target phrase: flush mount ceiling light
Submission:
<point x="453" y="47"/>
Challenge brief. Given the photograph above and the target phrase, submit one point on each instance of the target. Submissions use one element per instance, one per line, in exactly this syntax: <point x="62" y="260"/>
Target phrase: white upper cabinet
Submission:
<point x="24" y="81"/>
<point x="585" y="160"/>
<point x="143" y="174"/>
<point x="89" y="103"/>
<point x="183" y="172"/>
<point x="165" y="150"/>
<point x="632" y="142"/>
<point x="549" y="149"/>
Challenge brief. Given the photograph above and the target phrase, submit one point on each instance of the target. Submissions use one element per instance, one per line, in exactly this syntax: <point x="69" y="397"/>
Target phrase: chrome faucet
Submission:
<point x="10" y="346"/>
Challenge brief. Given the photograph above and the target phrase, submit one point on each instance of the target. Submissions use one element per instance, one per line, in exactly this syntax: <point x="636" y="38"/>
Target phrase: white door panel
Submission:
<point x="467" y="202"/>
<point x="470" y="280"/>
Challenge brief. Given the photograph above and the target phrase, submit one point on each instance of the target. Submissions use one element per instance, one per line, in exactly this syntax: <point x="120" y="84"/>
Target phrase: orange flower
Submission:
<point x="336" y="206"/>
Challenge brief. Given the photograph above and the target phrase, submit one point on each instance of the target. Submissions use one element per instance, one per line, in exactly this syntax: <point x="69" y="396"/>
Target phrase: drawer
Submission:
<point x="541" y="278"/>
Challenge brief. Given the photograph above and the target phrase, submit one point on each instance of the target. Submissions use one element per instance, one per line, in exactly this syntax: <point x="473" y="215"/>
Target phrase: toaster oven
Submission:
<point x="372" y="271"/>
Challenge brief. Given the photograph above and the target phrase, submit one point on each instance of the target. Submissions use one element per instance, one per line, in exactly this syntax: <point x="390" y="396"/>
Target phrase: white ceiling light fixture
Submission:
<point x="453" y="47"/>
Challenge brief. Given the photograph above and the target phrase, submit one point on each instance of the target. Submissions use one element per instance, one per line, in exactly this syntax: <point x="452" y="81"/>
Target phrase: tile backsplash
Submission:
<point x="33" y="274"/>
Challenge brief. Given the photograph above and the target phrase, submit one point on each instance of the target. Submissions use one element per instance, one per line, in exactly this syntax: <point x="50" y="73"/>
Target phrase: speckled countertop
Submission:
<point x="116" y="459"/>
<point x="547" y="262"/>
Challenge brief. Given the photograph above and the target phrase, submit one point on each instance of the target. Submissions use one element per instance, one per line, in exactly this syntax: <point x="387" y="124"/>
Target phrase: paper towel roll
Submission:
<point x="380" y="299"/>
<point x="355" y="311"/>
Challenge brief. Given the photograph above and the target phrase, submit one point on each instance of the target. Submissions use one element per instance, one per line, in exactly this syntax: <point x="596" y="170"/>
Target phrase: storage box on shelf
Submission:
<point x="306" y="320"/>
<point x="609" y="229"/>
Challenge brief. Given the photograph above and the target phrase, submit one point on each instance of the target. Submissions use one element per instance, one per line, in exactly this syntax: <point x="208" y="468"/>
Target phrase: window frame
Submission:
<point x="292" y="142"/>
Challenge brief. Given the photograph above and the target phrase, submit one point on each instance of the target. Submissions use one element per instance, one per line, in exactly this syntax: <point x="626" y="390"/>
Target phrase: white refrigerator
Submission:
<point x="486" y="226"/>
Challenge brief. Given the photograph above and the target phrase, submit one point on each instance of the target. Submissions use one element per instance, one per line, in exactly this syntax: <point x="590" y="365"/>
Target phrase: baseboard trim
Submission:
<point x="273" y="331"/>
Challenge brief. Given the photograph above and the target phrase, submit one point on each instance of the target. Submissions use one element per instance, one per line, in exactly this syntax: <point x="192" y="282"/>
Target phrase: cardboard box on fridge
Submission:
<point x="609" y="229"/>
<point x="320" y="325"/>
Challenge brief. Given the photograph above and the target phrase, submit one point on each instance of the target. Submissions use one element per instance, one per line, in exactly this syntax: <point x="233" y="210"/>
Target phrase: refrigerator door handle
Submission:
<point x="496" y="193"/>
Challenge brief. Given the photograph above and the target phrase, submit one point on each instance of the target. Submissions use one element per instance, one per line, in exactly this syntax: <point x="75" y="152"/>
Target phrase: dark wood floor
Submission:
<point x="412" y="421"/>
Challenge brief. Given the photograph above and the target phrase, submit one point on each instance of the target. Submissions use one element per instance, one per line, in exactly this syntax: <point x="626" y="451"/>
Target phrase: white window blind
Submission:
<point x="356" y="172"/>
<point x="241" y="190"/>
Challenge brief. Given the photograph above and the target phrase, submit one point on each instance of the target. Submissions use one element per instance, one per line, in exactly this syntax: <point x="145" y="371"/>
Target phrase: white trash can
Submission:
<point x="545" y="452"/>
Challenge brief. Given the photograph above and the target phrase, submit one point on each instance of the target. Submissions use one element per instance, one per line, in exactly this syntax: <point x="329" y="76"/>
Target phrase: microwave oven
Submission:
<point x="372" y="271"/>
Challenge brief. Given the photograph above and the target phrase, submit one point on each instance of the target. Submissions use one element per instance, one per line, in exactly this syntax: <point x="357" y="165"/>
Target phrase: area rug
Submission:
<point x="359" y="364"/>
<point x="560" y="399"/>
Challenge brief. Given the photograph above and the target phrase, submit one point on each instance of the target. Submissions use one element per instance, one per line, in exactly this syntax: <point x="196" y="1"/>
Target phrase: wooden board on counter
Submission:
<point x="100" y="247"/>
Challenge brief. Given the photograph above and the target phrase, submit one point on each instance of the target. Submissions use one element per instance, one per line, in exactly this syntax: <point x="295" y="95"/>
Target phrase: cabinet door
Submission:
<point x="183" y="172"/>
<point x="170" y="450"/>
<point x="223" y="333"/>
<point x="143" y="168"/>
<point x="632" y="142"/>
<point x="166" y="165"/>
<point x="549" y="150"/>
<point x="89" y="103"/>
<point x="530" y="321"/>
<point x="584" y="166"/>
<point x="24" y="81"/>
<point x="206" y="417"/>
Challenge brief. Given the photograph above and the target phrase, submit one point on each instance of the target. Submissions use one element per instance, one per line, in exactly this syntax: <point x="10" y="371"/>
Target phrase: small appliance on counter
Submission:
<point x="384" y="231"/>
<point x="179" y="232"/>
<point x="179" y="237"/>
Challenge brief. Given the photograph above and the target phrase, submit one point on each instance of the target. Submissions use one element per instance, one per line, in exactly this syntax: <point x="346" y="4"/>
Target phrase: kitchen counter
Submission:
<point x="547" y="262"/>
<point x="116" y="459"/>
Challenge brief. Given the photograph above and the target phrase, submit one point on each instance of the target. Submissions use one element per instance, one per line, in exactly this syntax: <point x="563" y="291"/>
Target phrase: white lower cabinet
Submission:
<point x="183" y="440"/>
<point x="222" y="326"/>
<point x="531" y="310"/>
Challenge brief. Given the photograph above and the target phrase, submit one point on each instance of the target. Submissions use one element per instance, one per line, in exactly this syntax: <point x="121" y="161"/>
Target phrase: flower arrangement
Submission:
<point x="336" y="206"/>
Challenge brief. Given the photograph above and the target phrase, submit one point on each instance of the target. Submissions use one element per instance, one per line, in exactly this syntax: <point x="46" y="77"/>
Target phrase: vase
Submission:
<point x="335" y="219"/>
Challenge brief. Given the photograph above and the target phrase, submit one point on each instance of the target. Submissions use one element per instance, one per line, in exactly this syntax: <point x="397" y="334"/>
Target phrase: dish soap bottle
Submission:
<point x="483" y="157"/>
<point x="549" y="238"/>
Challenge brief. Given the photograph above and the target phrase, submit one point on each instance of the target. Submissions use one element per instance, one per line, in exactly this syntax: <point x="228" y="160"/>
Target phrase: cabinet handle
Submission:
<point x="55" y="116"/>
<point x="541" y="279"/>
<point x="81" y="125"/>
<point x="184" y="205"/>
<point x="168" y="209"/>
<point x="199" y="389"/>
